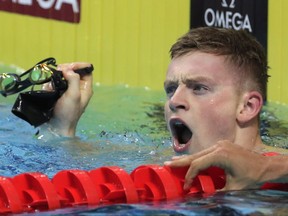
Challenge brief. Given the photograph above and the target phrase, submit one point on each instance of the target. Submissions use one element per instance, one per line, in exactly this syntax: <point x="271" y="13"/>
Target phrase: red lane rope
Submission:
<point x="30" y="192"/>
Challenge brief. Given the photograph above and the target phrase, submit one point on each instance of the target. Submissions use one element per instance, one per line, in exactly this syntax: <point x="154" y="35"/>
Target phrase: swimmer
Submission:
<point x="215" y="86"/>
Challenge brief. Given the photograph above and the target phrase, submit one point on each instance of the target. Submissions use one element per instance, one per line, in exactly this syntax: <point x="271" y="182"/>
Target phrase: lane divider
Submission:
<point x="31" y="192"/>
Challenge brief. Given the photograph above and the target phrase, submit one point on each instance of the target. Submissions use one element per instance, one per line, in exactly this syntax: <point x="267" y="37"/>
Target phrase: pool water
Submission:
<point x="125" y="127"/>
<point x="121" y="126"/>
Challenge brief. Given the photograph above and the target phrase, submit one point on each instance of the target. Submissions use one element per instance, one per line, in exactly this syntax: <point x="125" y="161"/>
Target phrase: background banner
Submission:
<point x="251" y="15"/>
<point x="64" y="10"/>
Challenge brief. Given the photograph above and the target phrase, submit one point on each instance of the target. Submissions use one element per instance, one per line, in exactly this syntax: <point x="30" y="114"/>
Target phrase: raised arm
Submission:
<point x="71" y="105"/>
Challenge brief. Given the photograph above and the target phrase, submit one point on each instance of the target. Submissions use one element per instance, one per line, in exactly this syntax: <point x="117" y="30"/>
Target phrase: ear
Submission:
<point x="250" y="107"/>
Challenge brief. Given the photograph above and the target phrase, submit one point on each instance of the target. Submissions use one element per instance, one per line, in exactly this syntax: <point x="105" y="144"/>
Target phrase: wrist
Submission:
<point x="276" y="169"/>
<point x="58" y="128"/>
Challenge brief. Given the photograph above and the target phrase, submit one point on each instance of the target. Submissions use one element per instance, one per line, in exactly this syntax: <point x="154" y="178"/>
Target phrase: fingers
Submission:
<point x="68" y="68"/>
<point x="213" y="156"/>
<point x="73" y="80"/>
<point x="184" y="160"/>
<point x="79" y="85"/>
<point x="243" y="168"/>
<point x="195" y="163"/>
<point x="47" y="87"/>
<point x="74" y="65"/>
<point x="202" y="163"/>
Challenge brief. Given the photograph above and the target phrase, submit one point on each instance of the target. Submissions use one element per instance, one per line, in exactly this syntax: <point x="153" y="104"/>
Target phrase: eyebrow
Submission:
<point x="187" y="81"/>
<point x="199" y="79"/>
<point x="170" y="82"/>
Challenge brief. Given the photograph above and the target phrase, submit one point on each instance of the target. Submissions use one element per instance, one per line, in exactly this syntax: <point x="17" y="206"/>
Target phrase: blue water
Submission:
<point x="125" y="127"/>
<point x="108" y="134"/>
<point x="230" y="203"/>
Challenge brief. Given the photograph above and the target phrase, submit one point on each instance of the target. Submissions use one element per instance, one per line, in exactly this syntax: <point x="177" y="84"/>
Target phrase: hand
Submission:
<point x="71" y="105"/>
<point x="244" y="169"/>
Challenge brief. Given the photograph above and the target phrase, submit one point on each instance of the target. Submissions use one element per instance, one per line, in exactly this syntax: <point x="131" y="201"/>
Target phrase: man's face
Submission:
<point x="202" y="101"/>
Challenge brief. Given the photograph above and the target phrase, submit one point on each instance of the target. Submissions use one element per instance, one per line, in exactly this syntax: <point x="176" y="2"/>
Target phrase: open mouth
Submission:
<point x="181" y="135"/>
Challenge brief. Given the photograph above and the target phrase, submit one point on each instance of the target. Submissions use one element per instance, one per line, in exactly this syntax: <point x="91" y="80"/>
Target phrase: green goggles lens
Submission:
<point x="7" y="82"/>
<point x="40" y="74"/>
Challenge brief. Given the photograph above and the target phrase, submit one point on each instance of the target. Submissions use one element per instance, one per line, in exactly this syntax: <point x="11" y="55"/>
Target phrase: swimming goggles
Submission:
<point x="36" y="106"/>
<point x="43" y="72"/>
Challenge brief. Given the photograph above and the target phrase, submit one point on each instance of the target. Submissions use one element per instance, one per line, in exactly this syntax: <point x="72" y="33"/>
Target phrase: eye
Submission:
<point x="170" y="90"/>
<point x="199" y="89"/>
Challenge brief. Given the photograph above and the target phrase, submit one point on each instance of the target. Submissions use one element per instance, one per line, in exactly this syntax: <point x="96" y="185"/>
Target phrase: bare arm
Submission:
<point x="244" y="169"/>
<point x="71" y="105"/>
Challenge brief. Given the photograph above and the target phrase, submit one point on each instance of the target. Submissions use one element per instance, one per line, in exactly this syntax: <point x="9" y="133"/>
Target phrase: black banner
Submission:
<point x="250" y="15"/>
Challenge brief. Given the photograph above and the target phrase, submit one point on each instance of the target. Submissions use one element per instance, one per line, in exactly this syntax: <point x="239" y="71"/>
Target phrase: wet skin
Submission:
<point x="202" y="94"/>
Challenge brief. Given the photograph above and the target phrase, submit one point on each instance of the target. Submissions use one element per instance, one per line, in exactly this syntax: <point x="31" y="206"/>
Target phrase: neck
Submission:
<point x="249" y="138"/>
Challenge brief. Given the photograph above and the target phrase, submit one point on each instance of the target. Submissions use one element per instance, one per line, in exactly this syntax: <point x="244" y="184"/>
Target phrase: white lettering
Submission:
<point x="227" y="19"/>
<point x="220" y="19"/>
<point x="231" y="5"/>
<point x="45" y="4"/>
<point x="237" y="22"/>
<point x="246" y="24"/>
<point x="23" y="2"/>
<point x="209" y="13"/>
<point x="73" y="3"/>
<point x="224" y="3"/>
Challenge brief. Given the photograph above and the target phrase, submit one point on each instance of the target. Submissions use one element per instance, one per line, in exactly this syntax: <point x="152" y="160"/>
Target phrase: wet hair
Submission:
<point x="239" y="47"/>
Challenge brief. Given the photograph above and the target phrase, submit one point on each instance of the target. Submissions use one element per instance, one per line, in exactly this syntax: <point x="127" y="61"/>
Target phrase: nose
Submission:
<point x="179" y="100"/>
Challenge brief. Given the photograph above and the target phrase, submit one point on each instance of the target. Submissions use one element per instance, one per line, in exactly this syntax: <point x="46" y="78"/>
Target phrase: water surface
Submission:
<point x="125" y="127"/>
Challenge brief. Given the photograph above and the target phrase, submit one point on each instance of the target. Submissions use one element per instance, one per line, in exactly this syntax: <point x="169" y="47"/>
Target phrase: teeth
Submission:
<point x="180" y="144"/>
<point x="178" y="123"/>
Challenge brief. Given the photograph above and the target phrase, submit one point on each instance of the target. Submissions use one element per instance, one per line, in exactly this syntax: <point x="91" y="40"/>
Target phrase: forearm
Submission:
<point x="276" y="169"/>
<point x="52" y="129"/>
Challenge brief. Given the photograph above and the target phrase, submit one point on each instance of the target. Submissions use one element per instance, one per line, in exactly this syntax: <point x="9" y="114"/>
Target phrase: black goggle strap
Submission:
<point x="47" y="61"/>
<point x="20" y="85"/>
<point x="27" y="82"/>
<point x="58" y="81"/>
